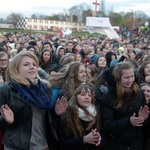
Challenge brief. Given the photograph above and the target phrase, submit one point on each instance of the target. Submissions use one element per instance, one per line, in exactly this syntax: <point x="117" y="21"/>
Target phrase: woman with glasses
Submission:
<point x="4" y="60"/>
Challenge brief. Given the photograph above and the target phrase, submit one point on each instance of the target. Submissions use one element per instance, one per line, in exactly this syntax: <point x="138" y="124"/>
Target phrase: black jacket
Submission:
<point x="67" y="142"/>
<point x="17" y="135"/>
<point x="116" y="126"/>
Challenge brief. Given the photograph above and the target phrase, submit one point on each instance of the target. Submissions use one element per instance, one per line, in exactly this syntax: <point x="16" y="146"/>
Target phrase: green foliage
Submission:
<point x="127" y="20"/>
<point x="75" y="18"/>
<point x="116" y="19"/>
<point x="78" y="13"/>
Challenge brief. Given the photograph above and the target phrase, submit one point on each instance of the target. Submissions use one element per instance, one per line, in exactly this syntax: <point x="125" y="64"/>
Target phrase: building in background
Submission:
<point x="49" y="25"/>
<point x="4" y="25"/>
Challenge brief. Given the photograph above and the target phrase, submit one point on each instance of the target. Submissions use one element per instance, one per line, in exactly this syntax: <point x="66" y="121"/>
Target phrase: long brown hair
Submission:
<point x="67" y="78"/>
<point x="124" y="93"/>
<point x="71" y="119"/>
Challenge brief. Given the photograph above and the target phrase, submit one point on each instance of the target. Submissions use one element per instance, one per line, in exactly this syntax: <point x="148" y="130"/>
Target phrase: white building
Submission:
<point x="40" y="24"/>
<point x="3" y="25"/>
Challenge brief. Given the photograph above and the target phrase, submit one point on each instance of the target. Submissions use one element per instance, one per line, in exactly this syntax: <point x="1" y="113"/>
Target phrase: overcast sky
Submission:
<point x="48" y="7"/>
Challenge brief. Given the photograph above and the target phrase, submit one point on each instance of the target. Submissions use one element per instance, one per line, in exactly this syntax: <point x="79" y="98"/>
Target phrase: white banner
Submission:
<point x="102" y="26"/>
<point x="146" y="24"/>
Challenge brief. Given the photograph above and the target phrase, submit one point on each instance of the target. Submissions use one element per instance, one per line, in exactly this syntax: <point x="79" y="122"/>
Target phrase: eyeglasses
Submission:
<point x="3" y="60"/>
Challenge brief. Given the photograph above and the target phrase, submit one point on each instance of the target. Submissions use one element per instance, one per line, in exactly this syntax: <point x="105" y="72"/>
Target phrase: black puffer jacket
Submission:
<point x="116" y="126"/>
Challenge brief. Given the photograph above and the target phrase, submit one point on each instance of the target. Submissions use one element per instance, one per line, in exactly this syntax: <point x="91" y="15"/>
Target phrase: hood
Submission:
<point x="108" y="58"/>
<point x="109" y="78"/>
<point x="94" y="58"/>
<point x="58" y="48"/>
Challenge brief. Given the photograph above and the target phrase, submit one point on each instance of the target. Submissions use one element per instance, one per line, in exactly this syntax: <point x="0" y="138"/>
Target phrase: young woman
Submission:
<point x="4" y="60"/>
<point x="123" y="109"/>
<point x="26" y="107"/>
<point x="69" y="78"/>
<point x="91" y="72"/>
<point x="144" y="72"/>
<point x="60" y="52"/>
<point x="109" y="57"/>
<point x="146" y="90"/>
<point x="101" y="63"/>
<point x="80" y="126"/>
<point x="46" y="62"/>
<point x="77" y="48"/>
<point x="78" y="57"/>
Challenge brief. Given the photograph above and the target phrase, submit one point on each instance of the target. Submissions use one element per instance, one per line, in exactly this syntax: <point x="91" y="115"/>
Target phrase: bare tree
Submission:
<point x="122" y="13"/>
<point x="13" y="18"/>
<point x="139" y="16"/>
<point x="86" y="13"/>
<point x="78" y="10"/>
<point x="34" y="16"/>
<point x="2" y="20"/>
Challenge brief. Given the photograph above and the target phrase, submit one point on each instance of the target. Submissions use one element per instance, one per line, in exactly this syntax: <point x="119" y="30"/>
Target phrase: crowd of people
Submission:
<point x="74" y="92"/>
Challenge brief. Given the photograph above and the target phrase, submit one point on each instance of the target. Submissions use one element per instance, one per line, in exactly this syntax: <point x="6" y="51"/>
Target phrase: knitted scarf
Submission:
<point x="91" y="109"/>
<point x="36" y="94"/>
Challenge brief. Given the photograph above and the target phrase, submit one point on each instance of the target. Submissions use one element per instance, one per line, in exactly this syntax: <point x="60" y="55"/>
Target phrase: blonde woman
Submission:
<point x="26" y="106"/>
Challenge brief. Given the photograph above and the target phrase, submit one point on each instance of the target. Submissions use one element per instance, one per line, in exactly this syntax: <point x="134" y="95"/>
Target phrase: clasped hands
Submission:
<point x="92" y="138"/>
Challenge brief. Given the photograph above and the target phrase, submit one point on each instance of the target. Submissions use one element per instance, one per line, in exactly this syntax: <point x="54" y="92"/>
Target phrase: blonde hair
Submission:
<point x="13" y="67"/>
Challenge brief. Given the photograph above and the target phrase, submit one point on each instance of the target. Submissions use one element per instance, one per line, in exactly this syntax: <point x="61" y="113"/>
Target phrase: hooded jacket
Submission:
<point x="108" y="58"/>
<point x="58" y="49"/>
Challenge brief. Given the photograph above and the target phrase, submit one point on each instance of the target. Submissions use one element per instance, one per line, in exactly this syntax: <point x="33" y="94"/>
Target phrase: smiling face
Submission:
<point x="82" y="74"/>
<point x="102" y="62"/>
<point x="146" y="91"/>
<point x="46" y="56"/>
<point x="4" y="61"/>
<point x="61" y="52"/>
<point x="78" y="57"/>
<point x="28" y="68"/>
<point x="132" y="55"/>
<point x="84" y="98"/>
<point x="127" y="77"/>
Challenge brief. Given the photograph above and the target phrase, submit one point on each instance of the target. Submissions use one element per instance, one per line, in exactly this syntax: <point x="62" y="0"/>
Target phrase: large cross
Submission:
<point x="96" y="4"/>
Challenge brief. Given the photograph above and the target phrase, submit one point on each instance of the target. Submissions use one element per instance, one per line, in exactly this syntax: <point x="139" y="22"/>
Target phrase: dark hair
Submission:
<point x="20" y="49"/>
<point x="142" y="68"/>
<point x="41" y="60"/>
<point x="47" y="43"/>
<point x="30" y="46"/>
<point x="71" y="119"/>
